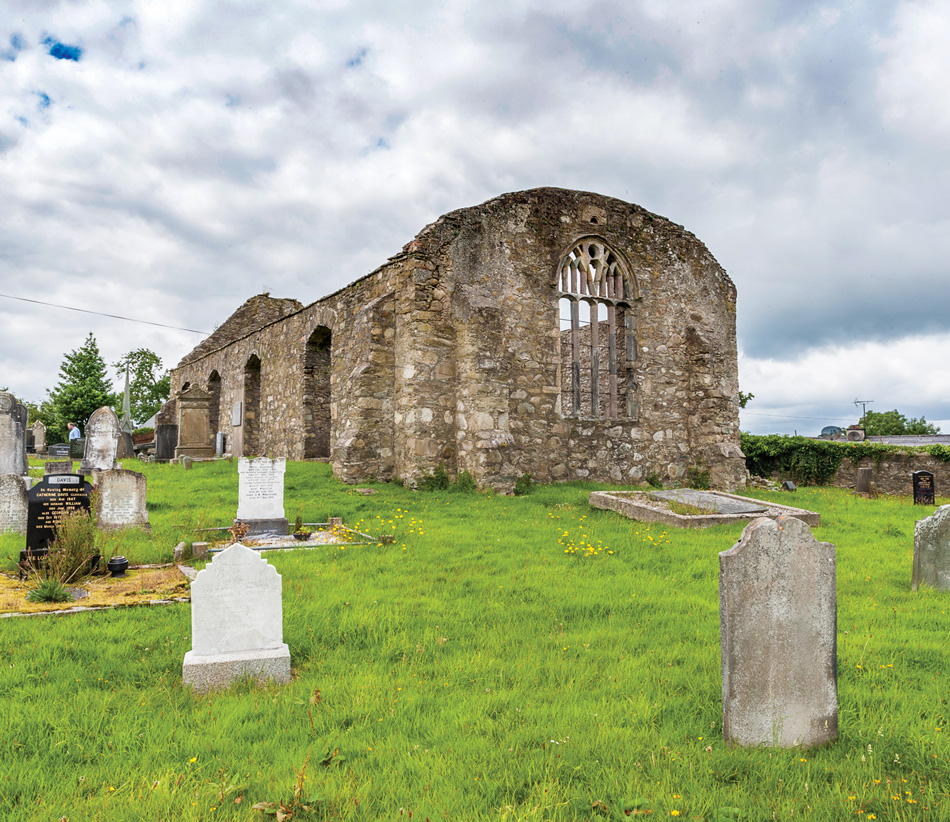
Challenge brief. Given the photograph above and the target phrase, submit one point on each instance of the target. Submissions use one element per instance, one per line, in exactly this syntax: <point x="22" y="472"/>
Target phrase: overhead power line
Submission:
<point x="103" y="314"/>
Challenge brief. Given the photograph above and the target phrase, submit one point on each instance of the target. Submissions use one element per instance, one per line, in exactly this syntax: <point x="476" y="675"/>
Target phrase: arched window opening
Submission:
<point x="252" y="406"/>
<point x="597" y="333"/>
<point x="214" y="407"/>
<point x="316" y="394"/>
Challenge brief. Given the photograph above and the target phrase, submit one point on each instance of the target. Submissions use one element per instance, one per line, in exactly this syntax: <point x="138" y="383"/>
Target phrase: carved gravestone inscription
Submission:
<point x="50" y="499"/>
<point x="122" y="500"/>
<point x="59" y="451"/>
<point x="12" y="435"/>
<point x="924" y="492"/>
<point x="13" y="504"/>
<point x="102" y="440"/>
<point x="778" y="630"/>
<point x="194" y="424"/>
<point x="261" y="495"/>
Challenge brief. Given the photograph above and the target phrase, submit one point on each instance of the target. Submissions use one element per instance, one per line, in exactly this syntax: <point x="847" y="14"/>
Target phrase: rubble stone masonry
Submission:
<point x="459" y="350"/>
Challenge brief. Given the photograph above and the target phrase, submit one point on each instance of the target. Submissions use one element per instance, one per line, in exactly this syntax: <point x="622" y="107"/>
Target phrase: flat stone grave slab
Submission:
<point x="710" y="502"/>
<point x="712" y="507"/>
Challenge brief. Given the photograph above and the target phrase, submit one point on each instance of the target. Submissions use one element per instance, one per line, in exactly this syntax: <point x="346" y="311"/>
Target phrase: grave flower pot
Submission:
<point x="302" y="535"/>
<point x="118" y="566"/>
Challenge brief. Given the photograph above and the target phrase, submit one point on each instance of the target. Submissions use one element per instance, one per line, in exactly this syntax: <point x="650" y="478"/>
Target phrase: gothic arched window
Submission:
<point x="598" y="332"/>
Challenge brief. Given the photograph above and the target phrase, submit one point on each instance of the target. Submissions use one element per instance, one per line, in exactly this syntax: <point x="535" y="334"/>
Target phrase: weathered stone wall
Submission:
<point x="451" y="352"/>
<point x="892" y="474"/>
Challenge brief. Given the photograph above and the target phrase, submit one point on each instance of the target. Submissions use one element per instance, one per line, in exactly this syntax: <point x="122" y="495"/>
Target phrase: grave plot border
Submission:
<point x="638" y="505"/>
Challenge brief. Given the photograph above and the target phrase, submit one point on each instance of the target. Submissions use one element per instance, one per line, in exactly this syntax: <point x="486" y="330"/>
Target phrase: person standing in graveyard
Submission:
<point x="74" y="433"/>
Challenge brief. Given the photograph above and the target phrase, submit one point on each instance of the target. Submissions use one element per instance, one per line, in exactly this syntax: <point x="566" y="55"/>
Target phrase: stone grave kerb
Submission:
<point x="778" y="634"/>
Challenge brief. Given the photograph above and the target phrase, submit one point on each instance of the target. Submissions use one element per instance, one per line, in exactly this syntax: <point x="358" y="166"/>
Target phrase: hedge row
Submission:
<point x="815" y="462"/>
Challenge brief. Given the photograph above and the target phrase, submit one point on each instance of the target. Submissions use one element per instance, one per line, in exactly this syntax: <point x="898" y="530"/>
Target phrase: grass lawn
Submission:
<point x="508" y="658"/>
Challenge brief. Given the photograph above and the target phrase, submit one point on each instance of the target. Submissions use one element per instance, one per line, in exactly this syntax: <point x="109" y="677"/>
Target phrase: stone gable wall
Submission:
<point x="451" y="352"/>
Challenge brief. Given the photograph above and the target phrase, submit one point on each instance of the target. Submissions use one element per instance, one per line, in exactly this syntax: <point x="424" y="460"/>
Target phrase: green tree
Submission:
<point x="149" y="383"/>
<point x="893" y="424"/>
<point x="83" y="387"/>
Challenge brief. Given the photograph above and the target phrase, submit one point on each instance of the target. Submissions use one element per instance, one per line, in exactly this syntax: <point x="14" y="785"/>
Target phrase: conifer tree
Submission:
<point x="83" y="387"/>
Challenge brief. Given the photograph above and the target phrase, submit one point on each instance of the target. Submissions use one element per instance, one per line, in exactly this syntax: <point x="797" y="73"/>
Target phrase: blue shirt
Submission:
<point x="74" y="433"/>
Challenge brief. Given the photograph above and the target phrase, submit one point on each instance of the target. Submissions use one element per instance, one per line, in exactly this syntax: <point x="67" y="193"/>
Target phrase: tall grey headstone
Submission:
<point x="39" y="437"/>
<point x="932" y="551"/>
<point x="862" y="485"/>
<point x="261" y="495"/>
<point x="102" y="440"/>
<point x="122" y="500"/>
<point x="13" y="416"/>
<point x="14" y="502"/>
<point x="778" y="629"/>
<point x="236" y="622"/>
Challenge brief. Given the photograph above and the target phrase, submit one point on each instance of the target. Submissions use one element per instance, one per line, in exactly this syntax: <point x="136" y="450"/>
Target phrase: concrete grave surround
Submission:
<point x="778" y="632"/>
<point x="13" y="416"/>
<point x="122" y="500"/>
<point x="723" y="509"/>
<point x="454" y="352"/>
<point x="102" y="440"/>
<point x="261" y="495"/>
<point x="236" y="622"/>
<point x="932" y="551"/>
<point x="14" y="501"/>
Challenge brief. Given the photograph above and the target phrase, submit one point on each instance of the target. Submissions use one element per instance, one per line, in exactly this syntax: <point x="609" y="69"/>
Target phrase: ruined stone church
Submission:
<point x="558" y="333"/>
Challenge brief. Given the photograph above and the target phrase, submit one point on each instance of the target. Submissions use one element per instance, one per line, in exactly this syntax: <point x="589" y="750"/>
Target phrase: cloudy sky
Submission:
<point x="163" y="161"/>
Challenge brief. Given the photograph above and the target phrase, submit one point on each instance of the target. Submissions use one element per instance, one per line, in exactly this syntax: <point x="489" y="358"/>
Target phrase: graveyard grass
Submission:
<point x="507" y="658"/>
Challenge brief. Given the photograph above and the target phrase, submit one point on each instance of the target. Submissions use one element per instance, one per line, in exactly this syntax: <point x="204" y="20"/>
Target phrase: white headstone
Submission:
<point x="102" y="440"/>
<point x="122" y="500"/>
<point x="236" y="622"/>
<point x="778" y="629"/>
<point x="14" y="502"/>
<point x="261" y="494"/>
<point x="932" y="551"/>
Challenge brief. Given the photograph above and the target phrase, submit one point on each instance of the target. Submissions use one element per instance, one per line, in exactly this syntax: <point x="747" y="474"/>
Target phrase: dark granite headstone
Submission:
<point x="125" y="448"/>
<point x="51" y="498"/>
<point x="60" y="451"/>
<point x="77" y="448"/>
<point x="166" y="440"/>
<point x="788" y="485"/>
<point x="924" y="492"/>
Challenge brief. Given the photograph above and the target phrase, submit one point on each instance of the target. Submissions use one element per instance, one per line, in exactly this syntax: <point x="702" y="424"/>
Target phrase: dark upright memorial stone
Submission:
<point x="50" y="499"/>
<point x="125" y="448"/>
<point x="924" y="492"/>
<point x="77" y="448"/>
<point x="60" y="451"/>
<point x="166" y="440"/>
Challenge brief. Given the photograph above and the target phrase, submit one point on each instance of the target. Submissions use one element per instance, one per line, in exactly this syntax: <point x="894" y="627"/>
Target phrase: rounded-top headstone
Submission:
<point x="778" y="629"/>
